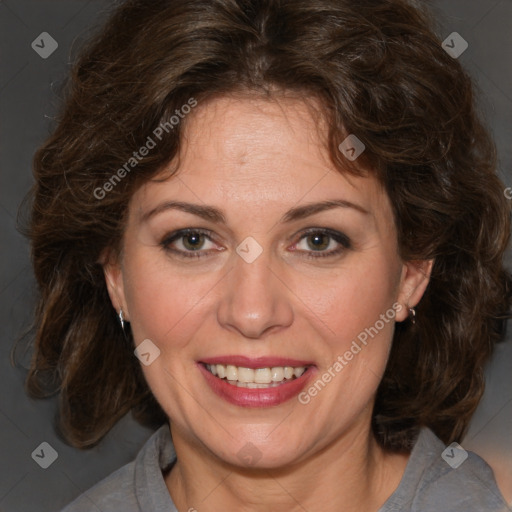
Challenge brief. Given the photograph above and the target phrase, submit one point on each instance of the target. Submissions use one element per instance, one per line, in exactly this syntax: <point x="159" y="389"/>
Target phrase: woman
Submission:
<point x="274" y="230"/>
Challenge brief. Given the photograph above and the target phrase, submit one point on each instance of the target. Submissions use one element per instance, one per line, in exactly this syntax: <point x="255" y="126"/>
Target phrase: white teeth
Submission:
<point x="231" y="372"/>
<point x="299" y="371"/>
<point x="245" y="374"/>
<point x="262" y="376"/>
<point x="254" y="385"/>
<point x="277" y="374"/>
<point x="255" y="378"/>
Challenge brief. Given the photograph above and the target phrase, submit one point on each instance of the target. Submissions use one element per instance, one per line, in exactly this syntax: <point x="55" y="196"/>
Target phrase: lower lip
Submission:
<point x="259" y="397"/>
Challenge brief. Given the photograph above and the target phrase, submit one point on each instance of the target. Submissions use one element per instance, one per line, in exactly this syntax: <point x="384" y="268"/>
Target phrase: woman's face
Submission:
<point x="288" y="264"/>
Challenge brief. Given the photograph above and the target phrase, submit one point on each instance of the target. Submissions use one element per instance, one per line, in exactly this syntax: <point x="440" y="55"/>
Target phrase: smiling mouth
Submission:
<point x="258" y="378"/>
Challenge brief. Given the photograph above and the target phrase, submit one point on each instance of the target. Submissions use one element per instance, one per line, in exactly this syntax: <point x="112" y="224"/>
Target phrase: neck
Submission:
<point x="349" y="475"/>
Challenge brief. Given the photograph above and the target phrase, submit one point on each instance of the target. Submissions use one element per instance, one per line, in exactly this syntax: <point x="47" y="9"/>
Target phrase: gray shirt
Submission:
<point x="429" y="483"/>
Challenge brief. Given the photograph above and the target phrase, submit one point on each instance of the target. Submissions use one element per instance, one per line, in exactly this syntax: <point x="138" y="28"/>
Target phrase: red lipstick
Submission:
<point x="259" y="397"/>
<point x="257" y="362"/>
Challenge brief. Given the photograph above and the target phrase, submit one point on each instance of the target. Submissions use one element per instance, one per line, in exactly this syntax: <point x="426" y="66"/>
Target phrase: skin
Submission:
<point x="255" y="159"/>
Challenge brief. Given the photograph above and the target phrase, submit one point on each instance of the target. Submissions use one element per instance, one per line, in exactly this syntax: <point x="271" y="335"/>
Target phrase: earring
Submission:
<point x="121" y="319"/>
<point x="412" y="315"/>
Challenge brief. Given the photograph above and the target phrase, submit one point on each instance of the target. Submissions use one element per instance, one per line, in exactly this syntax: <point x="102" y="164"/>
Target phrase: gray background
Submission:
<point x="28" y="96"/>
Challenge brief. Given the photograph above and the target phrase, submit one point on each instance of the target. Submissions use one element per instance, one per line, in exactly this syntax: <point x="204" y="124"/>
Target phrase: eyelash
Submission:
<point x="338" y="237"/>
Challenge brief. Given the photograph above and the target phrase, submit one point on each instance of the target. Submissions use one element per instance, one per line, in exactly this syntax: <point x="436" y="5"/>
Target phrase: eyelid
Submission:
<point x="175" y="235"/>
<point x="181" y="233"/>
<point x="339" y="237"/>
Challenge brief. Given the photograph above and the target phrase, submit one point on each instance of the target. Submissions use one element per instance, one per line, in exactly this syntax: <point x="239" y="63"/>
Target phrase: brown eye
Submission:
<point x="193" y="241"/>
<point x="318" y="242"/>
<point x="322" y="243"/>
<point x="188" y="243"/>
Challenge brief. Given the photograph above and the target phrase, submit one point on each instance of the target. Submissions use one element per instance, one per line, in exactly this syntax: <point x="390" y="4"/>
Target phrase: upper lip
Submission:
<point x="258" y="362"/>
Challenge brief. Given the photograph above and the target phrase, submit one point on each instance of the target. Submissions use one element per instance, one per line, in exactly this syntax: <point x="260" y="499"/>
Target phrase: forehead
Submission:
<point x="250" y="151"/>
<point x="234" y="127"/>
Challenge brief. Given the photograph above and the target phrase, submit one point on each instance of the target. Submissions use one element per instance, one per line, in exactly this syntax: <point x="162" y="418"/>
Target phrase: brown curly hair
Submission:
<point x="379" y="71"/>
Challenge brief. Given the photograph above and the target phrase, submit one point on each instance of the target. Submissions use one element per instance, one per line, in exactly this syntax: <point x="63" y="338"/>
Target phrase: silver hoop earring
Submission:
<point x="121" y="319"/>
<point x="412" y="315"/>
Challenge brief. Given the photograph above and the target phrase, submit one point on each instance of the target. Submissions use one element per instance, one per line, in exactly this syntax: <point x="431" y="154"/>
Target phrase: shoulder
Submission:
<point x="129" y="487"/>
<point x="114" y="493"/>
<point x="448" y="478"/>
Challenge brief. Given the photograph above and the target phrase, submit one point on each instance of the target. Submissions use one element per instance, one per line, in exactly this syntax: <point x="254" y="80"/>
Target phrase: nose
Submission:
<point x="255" y="299"/>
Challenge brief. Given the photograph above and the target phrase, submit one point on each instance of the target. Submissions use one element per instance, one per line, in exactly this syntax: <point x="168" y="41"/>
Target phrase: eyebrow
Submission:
<point x="215" y="215"/>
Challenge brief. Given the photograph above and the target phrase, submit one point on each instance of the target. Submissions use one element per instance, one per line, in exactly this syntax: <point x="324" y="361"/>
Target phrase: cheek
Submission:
<point x="163" y="304"/>
<point x="356" y="312"/>
<point x="353" y="298"/>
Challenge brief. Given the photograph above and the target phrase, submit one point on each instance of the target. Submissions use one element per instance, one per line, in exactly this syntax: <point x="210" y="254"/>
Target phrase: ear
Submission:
<point x="413" y="283"/>
<point x="112" y="269"/>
